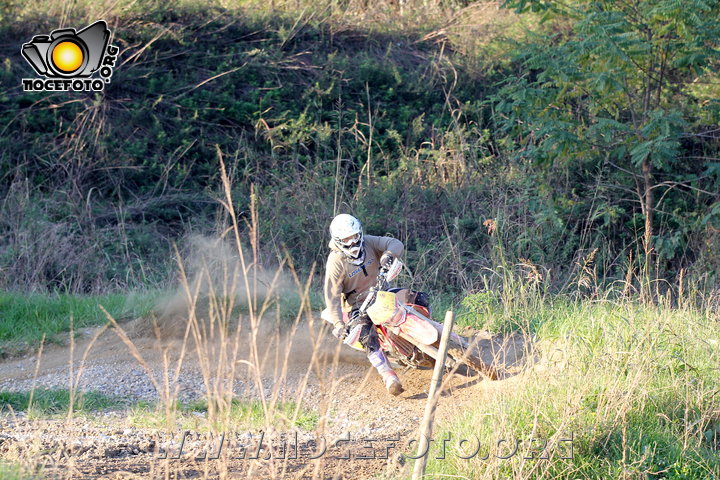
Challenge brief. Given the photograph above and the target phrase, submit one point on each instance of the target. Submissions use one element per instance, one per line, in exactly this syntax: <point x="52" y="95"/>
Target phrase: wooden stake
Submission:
<point x="433" y="395"/>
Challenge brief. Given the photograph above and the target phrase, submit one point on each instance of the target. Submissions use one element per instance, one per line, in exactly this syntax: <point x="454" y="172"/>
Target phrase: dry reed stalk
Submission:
<point x="37" y="369"/>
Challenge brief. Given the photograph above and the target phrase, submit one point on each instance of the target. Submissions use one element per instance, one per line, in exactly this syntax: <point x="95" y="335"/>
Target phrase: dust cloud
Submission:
<point x="219" y="299"/>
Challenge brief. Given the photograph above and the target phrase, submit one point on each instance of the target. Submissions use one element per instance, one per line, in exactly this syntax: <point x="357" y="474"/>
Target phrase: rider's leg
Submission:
<point x="390" y="378"/>
<point x="368" y="337"/>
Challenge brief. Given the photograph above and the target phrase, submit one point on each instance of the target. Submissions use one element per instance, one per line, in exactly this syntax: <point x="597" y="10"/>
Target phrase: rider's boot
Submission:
<point x="390" y="378"/>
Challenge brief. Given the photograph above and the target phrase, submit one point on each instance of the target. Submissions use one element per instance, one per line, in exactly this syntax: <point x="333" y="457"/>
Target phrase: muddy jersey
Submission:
<point x="346" y="285"/>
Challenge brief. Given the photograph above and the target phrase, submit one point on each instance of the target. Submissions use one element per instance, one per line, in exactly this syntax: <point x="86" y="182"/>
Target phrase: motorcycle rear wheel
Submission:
<point x="421" y="360"/>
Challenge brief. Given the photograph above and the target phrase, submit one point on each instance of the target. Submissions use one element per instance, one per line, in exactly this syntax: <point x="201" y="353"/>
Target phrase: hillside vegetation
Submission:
<point x="563" y="139"/>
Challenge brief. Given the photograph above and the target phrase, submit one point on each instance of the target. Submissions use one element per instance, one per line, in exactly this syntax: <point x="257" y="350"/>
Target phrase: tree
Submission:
<point x="612" y="83"/>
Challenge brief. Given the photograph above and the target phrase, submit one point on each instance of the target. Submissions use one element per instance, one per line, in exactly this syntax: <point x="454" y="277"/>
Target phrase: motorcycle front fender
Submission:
<point x="418" y="329"/>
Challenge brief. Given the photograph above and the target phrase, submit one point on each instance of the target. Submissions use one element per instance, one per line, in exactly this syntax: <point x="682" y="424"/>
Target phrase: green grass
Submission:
<point x="48" y="402"/>
<point x="25" y="318"/>
<point x="289" y="303"/>
<point x="12" y="471"/>
<point x="283" y="304"/>
<point x="244" y="414"/>
<point x="635" y="385"/>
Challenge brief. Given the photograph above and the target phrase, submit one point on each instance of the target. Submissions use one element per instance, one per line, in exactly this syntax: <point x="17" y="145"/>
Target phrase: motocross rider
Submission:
<point x="351" y="269"/>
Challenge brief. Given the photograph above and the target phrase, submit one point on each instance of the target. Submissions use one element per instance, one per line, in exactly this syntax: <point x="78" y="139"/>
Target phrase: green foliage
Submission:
<point x="609" y="98"/>
<point x="137" y="164"/>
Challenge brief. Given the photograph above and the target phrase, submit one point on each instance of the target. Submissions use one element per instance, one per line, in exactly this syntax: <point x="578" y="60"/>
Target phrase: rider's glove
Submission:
<point x="387" y="259"/>
<point x="339" y="331"/>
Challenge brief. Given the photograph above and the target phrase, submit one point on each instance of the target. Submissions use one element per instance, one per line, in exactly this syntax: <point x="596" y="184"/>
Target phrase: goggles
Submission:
<point x="350" y="241"/>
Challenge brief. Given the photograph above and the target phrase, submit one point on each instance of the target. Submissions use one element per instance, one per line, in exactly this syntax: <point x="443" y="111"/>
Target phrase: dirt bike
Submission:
<point x="407" y="333"/>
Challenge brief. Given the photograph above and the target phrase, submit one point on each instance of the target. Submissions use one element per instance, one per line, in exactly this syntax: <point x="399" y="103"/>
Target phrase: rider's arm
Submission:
<point x="333" y="288"/>
<point x="385" y="244"/>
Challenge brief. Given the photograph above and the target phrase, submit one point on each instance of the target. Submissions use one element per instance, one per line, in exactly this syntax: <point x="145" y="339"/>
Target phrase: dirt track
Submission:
<point x="340" y="386"/>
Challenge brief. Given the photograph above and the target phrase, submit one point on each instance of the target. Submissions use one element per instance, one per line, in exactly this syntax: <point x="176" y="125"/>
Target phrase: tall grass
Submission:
<point x="633" y="386"/>
<point x="362" y="96"/>
<point x="252" y="344"/>
<point x="236" y="331"/>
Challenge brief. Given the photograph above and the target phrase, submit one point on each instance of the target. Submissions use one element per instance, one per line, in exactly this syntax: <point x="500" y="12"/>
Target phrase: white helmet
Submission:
<point x="347" y="235"/>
